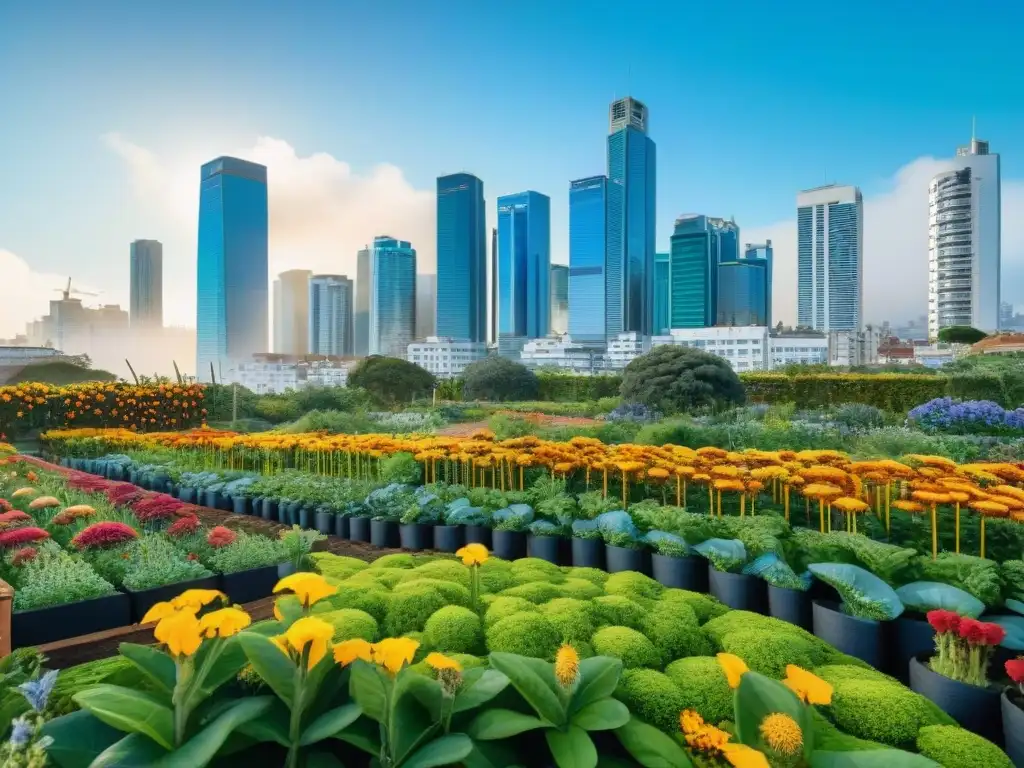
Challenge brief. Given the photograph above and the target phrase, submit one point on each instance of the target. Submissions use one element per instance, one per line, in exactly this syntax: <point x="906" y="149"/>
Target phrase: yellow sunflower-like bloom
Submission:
<point x="350" y="650"/>
<point x="567" y="665"/>
<point x="159" y="611"/>
<point x="734" y="668"/>
<point x="438" y="661"/>
<point x="473" y="554"/>
<point x="810" y="688"/>
<point x="312" y="633"/>
<point x="782" y="733"/>
<point x="180" y="633"/>
<point x="742" y="756"/>
<point x="224" y="623"/>
<point x="194" y="599"/>
<point x="308" y="587"/>
<point x="394" y="653"/>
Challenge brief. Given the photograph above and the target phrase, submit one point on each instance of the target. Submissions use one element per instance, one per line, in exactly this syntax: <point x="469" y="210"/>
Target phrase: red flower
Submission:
<point x="104" y="534"/>
<point x="972" y="631"/>
<point x="994" y="634"/>
<point x="184" y="526"/>
<point x="14" y="516"/>
<point x="944" y="621"/>
<point x="1015" y="669"/>
<point x="23" y="555"/>
<point x="160" y="506"/>
<point x="220" y="536"/>
<point x="192" y="556"/>
<point x="19" y="536"/>
<point x="5" y="505"/>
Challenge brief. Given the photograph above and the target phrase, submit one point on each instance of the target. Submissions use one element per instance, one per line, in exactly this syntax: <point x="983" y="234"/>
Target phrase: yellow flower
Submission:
<point x="350" y="650"/>
<point x="811" y="689"/>
<point x="308" y="587"/>
<point x="438" y="661"/>
<point x="22" y="492"/>
<point x="690" y="721"/>
<point x="224" y="623"/>
<point x="782" y="733"/>
<point x="282" y="643"/>
<point x="742" y="756"/>
<point x="473" y="554"/>
<point x="180" y="633"/>
<point x="158" y="611"/>
<point x="194" y="599"/>
<point x="277" y="612"/>
<point x="394" y="653"/>
<point x="734" y="668"/>
<point x="43" y="502"/>
<point x="567" y="665"/>
<point x="313" y="633"/>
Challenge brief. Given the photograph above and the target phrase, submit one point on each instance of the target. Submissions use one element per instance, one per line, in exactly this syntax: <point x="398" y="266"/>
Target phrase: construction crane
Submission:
<point x="67" y="291"/>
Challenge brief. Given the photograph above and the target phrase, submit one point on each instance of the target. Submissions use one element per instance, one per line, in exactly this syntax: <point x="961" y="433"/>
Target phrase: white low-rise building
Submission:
<point x="798" y="349"/>
<point x="563" y="353"/>
<point x="273" y="374"/>
<point x="444" y="356"/>
<point x="853" y="348"/>
<point x="744" y="347"/>
<point x="625" y="348"/>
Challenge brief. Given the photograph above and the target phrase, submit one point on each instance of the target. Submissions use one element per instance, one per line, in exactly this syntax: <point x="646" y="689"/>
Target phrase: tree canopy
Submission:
<point x="675" y="379"/>
<point x="499" y="379"/>
<point x="390" y="380"/>
<point x="961" y="334"/>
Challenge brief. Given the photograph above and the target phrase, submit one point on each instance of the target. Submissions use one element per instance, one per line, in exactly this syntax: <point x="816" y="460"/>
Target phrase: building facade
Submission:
<point x="444" y="356"/>
<point x="231" y="274"/>
<point x="291" y="312"/>
<point x="330" y="316"/>
<point x="426" y="303"/>
<point x="798" y="349"/>
<point x="699" y="244"/>
<point x="564" y="354"/>
<point x="274" y="374"/>
<point x="662" y="293"/>
<point x="588" y="237"/>
<point x="764" y="252"/>
<point x="964" y="231"/>
<point x="361" y="310"/>
<point x="854" y="348"/>
<point x="559" y="282"/>
<point x="392" y="297"/>
<point x="461" y="258"/>
<point x="629" y="263"/>
<point x="745" y="348"/>
<point x="742" y="297"/>
<point x="146" y="291"/>
<point x="524" y="269"/>
<point x="830" y="258"/>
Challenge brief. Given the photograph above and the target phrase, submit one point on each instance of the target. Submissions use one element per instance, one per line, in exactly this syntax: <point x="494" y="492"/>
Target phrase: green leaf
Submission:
<point x="275" y="669"/>
<point x="322" y="760"/>
<point x="651" y="747"/>
<point x="329" y="723"/>
<point x="272" y="725"/>
<point x="535" y="681"/>
<point x="78" y="739"/>
<point x="491" y="754"/>
<point x="599" y="676"/>
<point x="757" y="697"/>
<point x="924" y="596"/>
<point x="133" y="751"/>
<point x="156" y="665"/>
<point x="875" y="758"/>
<point x="131" y="711"/>
<point x="602" y="715"/>
<point x="501" y="723"/>
<point x="478" y="687"/>
<point x="218" y="662"/>
<point x="369" y="690"/>
<point x="858" y="586"/>
<point x="572" y="748"/>
<point x="363" y="734"/>
<point x="447" y="750"/>
<point x="203" y="747"/>
<point x="413" y="722"/>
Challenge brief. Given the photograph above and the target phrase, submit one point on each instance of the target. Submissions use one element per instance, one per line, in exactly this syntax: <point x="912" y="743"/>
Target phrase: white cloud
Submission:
<point x="24" y="294"/>
<point x="896" y="247"/>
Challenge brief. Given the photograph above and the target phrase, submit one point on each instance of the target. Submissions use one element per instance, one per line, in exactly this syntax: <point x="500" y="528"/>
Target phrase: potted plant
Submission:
<point x="726" y="581"/>
<point x="861" y="624"/>
<point x="546" y="541"/>
<point x="248" y="564"/>
<point x="623" y="552"/>
<point x="789" y="596"/>
<point x="956" y="676"/>
<point x="359" y="527"/>
<point x="158" y="572"/>
<point x="450" y="533"/>
<point x="416" y="526"/>
<point x="298" y="543"/>
<point x="324" y="520"/>
<point x="673" y="563"/>
<point x="588" y="550"/>
<point x="1012" y="706"/>
<point x="913" y="634"/>
<point x="508" y="538"/>
<point x="239" y="492"/>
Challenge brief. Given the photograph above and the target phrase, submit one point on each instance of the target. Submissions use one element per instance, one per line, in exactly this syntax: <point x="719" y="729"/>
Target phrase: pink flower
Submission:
<point x="19" y="536"/>
<point x="184" y="526"/>
<point x="972" y="631"/>
<point x="944" y="621"/>
<point x="994" y="634"/>
<point x="160" y="506"/>
<point x="220" y="536"/>
<point x="15" y="516"/>
<point x="104" y="534"/>
<point x="23" y="555"/>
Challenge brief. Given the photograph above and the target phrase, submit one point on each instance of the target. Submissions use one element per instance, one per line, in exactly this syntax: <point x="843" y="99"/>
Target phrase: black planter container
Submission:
<point x="58" y="622"/>
<point x="548" y="548"/>
<point x="449" y="538"/>
<point x="224" y="502"/>
<point x="588" y="553"/>
<point x="325" y="522"/>
<point x="790" y="605"/>
<point x="210" y="498"/>
<point x="976" y="709"/>
<point x="417" y="536"/>
<point x="246" y="586"/>
<point x="341" y="526"/>
<point x="359" y="528"/>
<point x="479" y="534"/>
<point x="680" y="572"/>
<point x="912" y="636"/>
<point x="240" y="505"/>
<point x="509" y="545"/>
<point x="268" y="509"/>
<point x="187" y="494"/>
<point x="147" y="598"/>
<point x="627" y="559"/>
<point x="1013" y="728"/>
<point x="738" y="591"/>
<point x="866" y="639"/>
<point x="304" y="517"/>
<point x="384" y="533"/>
<point x="255" y="506"/>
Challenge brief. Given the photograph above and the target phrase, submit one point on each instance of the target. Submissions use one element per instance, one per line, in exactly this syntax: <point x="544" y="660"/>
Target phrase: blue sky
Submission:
<point x="749" y="101"/>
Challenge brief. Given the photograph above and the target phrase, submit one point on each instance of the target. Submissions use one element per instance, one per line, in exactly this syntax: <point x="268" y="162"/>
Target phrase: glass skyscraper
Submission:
<point x="741" y="293"/>
<point x="461" y="258"/>
<point x="291" y="312"/>
<point x="559" y="298"/>
<point x="231" y="272"/>
<point x="146" y="294"/>
<point x="331" y="300"/>
<point x="699" y="245"/>
<point x="361" y="315"/>
<point x="662" y="296"/>
<point x="629" y="265"/>
<point x="588" y="238"/>
<point x="763" y="251"/>
<point x="830" y="258"/>
<point x="392" y="297"/>
<point x="524" y="267"/>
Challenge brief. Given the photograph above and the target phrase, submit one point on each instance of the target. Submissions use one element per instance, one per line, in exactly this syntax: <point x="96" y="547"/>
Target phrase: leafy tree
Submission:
<point x="390" y="380"/>
<point x="497" y="379"/>
<point x="674" y="379"/>
<point x="961" y="334"/>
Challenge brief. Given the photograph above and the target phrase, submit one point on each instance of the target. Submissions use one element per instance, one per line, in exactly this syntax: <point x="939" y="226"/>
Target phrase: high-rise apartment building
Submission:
<point x="392" y="297"/>
<point x="291" y="312"/>
<point x="231" y="273"/>
<point x="588" y="238"/>
<point x="330" y="316"/>
<point x="763" y="251"/>
<point x="741" y="293"/>
<point x="461" y="258"/>
<point x="699" y="245"/>
<point x="964" y="231"/>
<point x="426" y="303"/>
<point x="830" y="258"/>
<point x="146" y="292"/>
<point x="361" y="315"/>
<point x="524" y="268"/>
<point x="629" y="264"/>
<point x="559" y="298"/>
<point x="662" y="294"/>
<point x="494" y="285"/>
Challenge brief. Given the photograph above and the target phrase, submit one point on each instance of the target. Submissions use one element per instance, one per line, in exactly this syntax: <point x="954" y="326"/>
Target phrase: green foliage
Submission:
<point x="497" y="378"/>
<point x="676" y="379"/>
<point x="769" y="653"/>
<point x="373" y="601"/>
<point x="56" y="579"/>
<point x="954" y="747"/>
<point x="503" y="606"/>
<point x="336" y="566"/>
<point x="616" y="610"/>
<point x="454" y="629"/>
<point x="116" y="670"/>
<point x="703" y="686"/>
<point x="893" y="392"/>
<point x="390" y="380"/>
<point x="594" y="575"/>
<point x="571" y="617"/>
<point x="448" y="570"/>
<point x="961" y="334"/>
<point x="525" y="634"/>
<point x="248" y="551"/>
<point x="58" y="373"/>
<point x="351" y="623"/>
<point x="675" y="632"/>
<point x="653" y="697"/>
<point x="974" y="575"/>
<point x="409" y="610"/>
<point x="454" y="593"/>
<point x="633" y="585"/>
<point x="627" y="644"/>
<point x="401" y="468"/>
<point x="536" y="591"/>
<point x="704" y="607"/>
<point x="882" y="711"/>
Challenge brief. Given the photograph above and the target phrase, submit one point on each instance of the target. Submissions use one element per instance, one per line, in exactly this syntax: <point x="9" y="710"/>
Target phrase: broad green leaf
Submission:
<point x="651" y="747"/>
<point x="275" y="669"/>
<point x="369" y="690"/>
<point x="321" y="760"/>
<point x="599" y="675"/>
<point x="203" y="747"/>
<point x="502" y="723"/>
<point x="130" y="711"/>
<point x="602" y="715"/>
<point x="875" y="758"/>
<point x="426" y="690"/>
<point x="447" y="750"/>
<point x="329" y="723"/>
<point x="133" y="751"/>
<point x="491" y="754"/>
<point x="858" y="586"/>
<point x="1015" y="605"/>
<point x="757" y="697"/>
<point x="363" y="734"/>
<point x="154" y="664"/>
<point x="478" y="688"/>
<point x="535" y="681"/>
<point x="78" y="738"/>
<point x="413" y="724"/>
<point x="218" y="662"/>
<point x="572" y="748"/>
<point x="924" y="596"/>
<point x="272" y="725"/>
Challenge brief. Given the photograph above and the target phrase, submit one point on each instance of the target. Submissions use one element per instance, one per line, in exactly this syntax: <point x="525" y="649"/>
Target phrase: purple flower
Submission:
<point x="21" y="732"/>
<point x="37" y="692"/>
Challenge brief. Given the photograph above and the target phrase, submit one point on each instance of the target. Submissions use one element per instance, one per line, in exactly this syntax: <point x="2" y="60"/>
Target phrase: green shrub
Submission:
<point x="383" y="577"/>
<point x="351" y="623"/>
<point x="768" y="652"/>
<point x="828" y="738"/>
<point x="704" y="687"/>
<point x="572" y="618"/>
<point x="954" y="747"/>
<point x="594" y="575"/>
<point x="534" y="566"/>
<point x="536" y="592"/>
<point x="454" y="629"/>
<point x="527" y="634"/>
<point x="675" y="636"/>
<point x="374" y="601"/>
<point x="633" y="585"/>
<point x="409" y="610"/>
<point x="456" y="594"/>
<point x="468" y="661"/>
<point x="653" y="697"/>
<point x="446" y="570"/>
<point x="882" y="711"/>
<point x="496" y="575"/>
<point x="619" y="611"/>
<point x="114" y="670"/>
<point x="397" y="560"/>
<point x="497" y="379"/>
<point x="339" y="566"/>
<point x="627" y="644"/>
<point x="502" y="607"/>
<point x="581" y="589"/>
<point x="680" y="379"/>
<point x="835" y="674"/>
<point x="735" y="621"/>
<point x="704" y="606"/>
<point x="979" y="577"/>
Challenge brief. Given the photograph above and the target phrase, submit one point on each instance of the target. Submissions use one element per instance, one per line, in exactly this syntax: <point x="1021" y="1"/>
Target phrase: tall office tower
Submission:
<point x="231" y="275"/>
<point x="629" y="265"/>
<point x="146" y="294"/>
<point x="830" y="258"/>
<point x="763" y="251"/>
<point x="291" y="312"/>
<point x="741" y="293"/>
<point x="588" y="238"/>
<point x="392" y="297"/>
<point x="494" y="285"/>
<point x="524" y="267"/>
<point x="426" y="301"/>
<point x="461" y="258"/>
<point x="559" y="298"/>
<point x="361" y="315"/>
<point x="330" y="315"/>
<point x="964" y="231"/>
<point x="662" y="319"/>
<point x="699" y="245"/>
